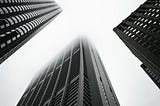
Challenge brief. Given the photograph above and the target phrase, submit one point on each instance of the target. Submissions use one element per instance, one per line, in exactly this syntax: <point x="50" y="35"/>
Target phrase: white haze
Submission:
<point x="94" y="19"/>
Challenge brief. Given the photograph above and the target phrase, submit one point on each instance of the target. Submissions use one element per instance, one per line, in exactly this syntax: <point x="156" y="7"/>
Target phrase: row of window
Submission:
<point x="22" y="1"/>
<point x="21" y="30"/>
<point x="151" y="14"/>
<point x="19" y="18"/>
<point x="152" y="2"/>
<point x="149" y="21"/>
<point x="157" y="4"/>
<point x="57" y="99"/>
<point x="148" y="24"/>
<point x="153" y="10"/>
<point x="155" y="77"/>
<point x="145" y="36"/>
<point x="150" y="10"/>
<point x="144" y="40"/>
<point x="86" y="94"/>
<point x="11" y="9"/>
<point x="71" y="98"/>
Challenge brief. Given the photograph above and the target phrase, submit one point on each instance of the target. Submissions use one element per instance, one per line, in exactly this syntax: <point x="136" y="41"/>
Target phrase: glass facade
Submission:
<point x="76" y="78"/>
<point x="22" y="19"/>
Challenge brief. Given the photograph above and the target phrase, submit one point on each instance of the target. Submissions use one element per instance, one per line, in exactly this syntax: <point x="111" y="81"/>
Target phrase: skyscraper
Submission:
<point x="141" y="34"/>
<point x="22" y="19"/>
<point x="75" y="78"/>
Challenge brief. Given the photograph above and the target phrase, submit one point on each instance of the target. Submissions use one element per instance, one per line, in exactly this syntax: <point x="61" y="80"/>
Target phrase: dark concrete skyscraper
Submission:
<point x="22" y="19"/>
<point x="141" y="33"/>
<point x="75" y="78"/>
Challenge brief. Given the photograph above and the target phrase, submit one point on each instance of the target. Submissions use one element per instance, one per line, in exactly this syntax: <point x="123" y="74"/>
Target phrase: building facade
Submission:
<point x="75" y="78"/>
<point x="22" y="19"/>
<point x="141" y="34"/>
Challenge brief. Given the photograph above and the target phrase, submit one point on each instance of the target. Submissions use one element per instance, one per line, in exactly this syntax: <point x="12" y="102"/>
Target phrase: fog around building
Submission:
<point x="94" y="19"/>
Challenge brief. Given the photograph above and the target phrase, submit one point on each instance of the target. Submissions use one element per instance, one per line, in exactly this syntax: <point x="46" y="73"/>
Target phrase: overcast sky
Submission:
<point x="94" y="19"/>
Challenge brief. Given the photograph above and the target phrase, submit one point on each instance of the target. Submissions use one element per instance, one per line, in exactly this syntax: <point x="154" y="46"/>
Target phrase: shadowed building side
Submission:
<point x="141" y="34"/>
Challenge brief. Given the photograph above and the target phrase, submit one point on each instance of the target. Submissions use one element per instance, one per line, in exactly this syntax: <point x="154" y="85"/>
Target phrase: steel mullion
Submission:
<point x="32" y="88"/>
<point x="49" y="81"/>
<point x="81" y="77"/>
<point x="29" y="89"/>
<point x="67" y="79"/>
<point x="54" y="90"/>
<point x="41" y="84"/>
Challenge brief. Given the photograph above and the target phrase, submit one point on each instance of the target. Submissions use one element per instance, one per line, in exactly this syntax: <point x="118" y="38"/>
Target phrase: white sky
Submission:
<point x="94" y="19"/>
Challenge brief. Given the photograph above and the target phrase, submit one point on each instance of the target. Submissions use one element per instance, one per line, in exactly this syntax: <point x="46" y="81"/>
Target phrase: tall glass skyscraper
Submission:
<point x="75" y="78"/>
<point x="141" y="34"/>
<point x="22" y="19"/>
